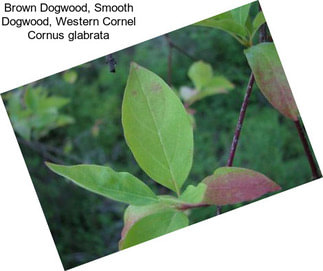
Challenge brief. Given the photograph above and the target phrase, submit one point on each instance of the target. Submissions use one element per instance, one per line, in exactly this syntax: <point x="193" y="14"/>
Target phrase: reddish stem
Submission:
<point x="301" y="132"/>
<point x="240" y="120"/>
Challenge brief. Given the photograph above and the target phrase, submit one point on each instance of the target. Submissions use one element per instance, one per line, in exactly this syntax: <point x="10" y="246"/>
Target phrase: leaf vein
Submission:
<point x="159" y="137"/>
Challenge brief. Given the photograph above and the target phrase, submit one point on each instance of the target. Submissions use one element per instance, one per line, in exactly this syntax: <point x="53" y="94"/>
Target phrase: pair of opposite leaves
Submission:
<point x="160" y="136"/>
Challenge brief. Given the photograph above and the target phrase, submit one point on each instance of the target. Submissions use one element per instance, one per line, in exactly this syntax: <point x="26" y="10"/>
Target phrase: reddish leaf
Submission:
<point x="271" y="79"/>
<point x="230" y="185"/>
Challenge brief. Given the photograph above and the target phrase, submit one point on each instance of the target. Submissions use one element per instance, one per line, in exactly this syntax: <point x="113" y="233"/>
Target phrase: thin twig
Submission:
<point x="169" y="60"/>
<point x="240" y="120"/>
<point x="307" y="148"/>
<point x="46" y="151"/>
<point x="178" y="48"/>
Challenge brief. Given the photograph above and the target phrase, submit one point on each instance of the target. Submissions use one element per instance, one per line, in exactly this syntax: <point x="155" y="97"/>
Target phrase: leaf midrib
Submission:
<point x="158" y="135"/>
<point x="153" y="197"/>
<point x="104" y="188"/>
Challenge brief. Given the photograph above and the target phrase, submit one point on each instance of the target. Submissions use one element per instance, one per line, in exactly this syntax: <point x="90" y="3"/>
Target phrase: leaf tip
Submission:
<point x="48" y="164"/>
<point x="134" y="65"/>
<point x="53" y="167"/>
<point x="276" y="187"/>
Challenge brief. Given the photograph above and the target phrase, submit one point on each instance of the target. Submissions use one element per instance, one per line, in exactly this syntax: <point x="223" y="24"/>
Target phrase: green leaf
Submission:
<point x="249" y="26"/>
<point x="228" y="25"/>
<point x="152" y="226"/>
<point x="240" y="14"/>
<point x="133" y="213"/>
<point x="223" y="16"/>
<point x="37" y="99"/>
<point x="217" y="85"/>
<point x="120" y="186"/>
<point x="170" y="201"/>
<point x="32" y="97"/>
<point x="157" y="128"/>
<point x="43" y="120"/>
<point x="194" y="194"/>
<point x="231" y="185"/>
<point x="258" y="21"/>
<point x="271" y="79"/>
<point x="53" y="102"/>
<point x="200" y="73"/>
<point x="206" y="84"/>
<point x="63" y="120"/>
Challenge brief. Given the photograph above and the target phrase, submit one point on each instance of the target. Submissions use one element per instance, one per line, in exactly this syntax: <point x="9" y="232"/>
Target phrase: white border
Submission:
<point x="283" y="232"/>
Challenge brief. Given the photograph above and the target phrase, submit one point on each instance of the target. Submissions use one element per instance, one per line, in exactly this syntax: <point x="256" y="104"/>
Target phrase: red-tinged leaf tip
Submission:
<point x="230" y="185"/>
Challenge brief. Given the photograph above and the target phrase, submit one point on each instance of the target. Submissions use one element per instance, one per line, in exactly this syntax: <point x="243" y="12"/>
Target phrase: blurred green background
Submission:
<point x="86" y="226"/>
